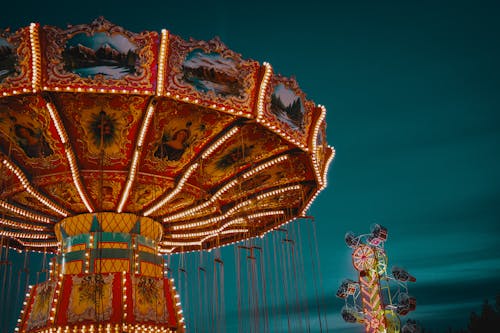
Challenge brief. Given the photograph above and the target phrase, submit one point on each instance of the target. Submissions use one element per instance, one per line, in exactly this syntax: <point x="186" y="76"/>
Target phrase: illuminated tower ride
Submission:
<point x="370" y="300"/>
<point x="117" y="148"/>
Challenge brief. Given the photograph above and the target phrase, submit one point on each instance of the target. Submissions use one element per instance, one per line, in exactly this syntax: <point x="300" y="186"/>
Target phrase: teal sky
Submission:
<point x="412" y="94"/>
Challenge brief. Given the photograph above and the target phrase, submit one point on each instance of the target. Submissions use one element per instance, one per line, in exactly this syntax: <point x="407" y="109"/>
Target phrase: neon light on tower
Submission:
<point x="372" y="302"/>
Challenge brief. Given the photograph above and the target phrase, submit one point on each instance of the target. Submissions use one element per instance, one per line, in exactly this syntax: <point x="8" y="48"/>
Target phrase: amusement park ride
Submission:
<point x="371" y="301"/>
<point x="118" y="148"/>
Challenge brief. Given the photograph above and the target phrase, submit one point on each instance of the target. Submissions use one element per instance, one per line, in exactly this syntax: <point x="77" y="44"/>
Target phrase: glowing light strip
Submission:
<point x="199" y="243"/>
<point x="27" y="186"/>
<point x="309" y="203"/>
<point x="59" y="128"/>
<point x="35" y="57"/>
<point x="70" y="157"/>
<point x="265" y="214"/>
<point x="229" y="223"/>
<point x="278" y="191"/>
<point x="233" y="231"/>
<point x="327" y="166"/>
<point x="237" y="207"/>
<point x="219" y="142"/>
<point x="137" y="153"/>
<point x="39" y="244"/>
<point x="24" y="212"/>
<point x="226" y="215"/>
<point x="162" y="61"/>
<point x="225" y="188"/>
<point x="177" y="189"/>
<point x="20" y="225"/>
<point x="189" y="211"/>
<point x="317" y="167"/>
<point x="16" y="234"/>
<point x="208" y="232"/>
<point x="170" y="243"/>
<point x="225" y="232"/>
<point x="265" y="166"/>
<point x="268" y="71"/>
<point x="204" y="222"/>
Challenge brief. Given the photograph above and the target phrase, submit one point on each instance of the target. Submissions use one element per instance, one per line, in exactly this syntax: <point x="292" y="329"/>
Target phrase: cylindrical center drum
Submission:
<point x="108" y="243"/>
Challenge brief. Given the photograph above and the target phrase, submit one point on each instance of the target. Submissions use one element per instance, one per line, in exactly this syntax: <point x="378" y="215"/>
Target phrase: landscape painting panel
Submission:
<point x="288" y="107"/>
<point x="8" y="59"/>
<point x="212" y="72"/>
<point x="100" y="54"/>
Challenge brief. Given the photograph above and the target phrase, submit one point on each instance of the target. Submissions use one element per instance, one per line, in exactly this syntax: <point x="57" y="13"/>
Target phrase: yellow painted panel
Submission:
<point x="113" y="245"/>
<point x="111" y="265"/>
<point x="146" y="249"/>
<point x="149" y="269"/>
<point x="73" y="267"/>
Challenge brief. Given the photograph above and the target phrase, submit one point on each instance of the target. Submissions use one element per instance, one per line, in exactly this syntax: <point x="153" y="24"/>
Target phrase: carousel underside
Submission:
<point x="117" y="147"/>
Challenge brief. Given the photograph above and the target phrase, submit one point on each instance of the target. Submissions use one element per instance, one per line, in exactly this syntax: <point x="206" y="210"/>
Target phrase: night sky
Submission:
<point x="413" y="110"/>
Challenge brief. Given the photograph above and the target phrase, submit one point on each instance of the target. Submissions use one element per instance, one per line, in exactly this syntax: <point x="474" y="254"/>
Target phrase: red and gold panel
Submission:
<point x="147" y="189"/>
<point x="91" y="298"/>
<point x="84" y="302"/>
<point x="87" y="298"/>
<point x="177" y="134"/>
<point x="42" y="300"/>
<point x="100" y="57"/>
<point x="7" y="180"/>
<point x="149" y="299"/>
<point x="105" y="191"/>
<point x="29" y="135"/>
<point x="61" y="189"/>
<point x="287" y="111"/>
<point x="15" y="61"/>
<point x="172" y="306"/>
<point x="102" y="127"/>
<point x="251" y="145"/>
<point x="210" y="74"/>
<point x="27" y="200"/>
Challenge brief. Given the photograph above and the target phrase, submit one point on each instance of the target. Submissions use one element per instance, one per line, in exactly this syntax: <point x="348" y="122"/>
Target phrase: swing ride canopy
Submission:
<point x="182" y="135"/>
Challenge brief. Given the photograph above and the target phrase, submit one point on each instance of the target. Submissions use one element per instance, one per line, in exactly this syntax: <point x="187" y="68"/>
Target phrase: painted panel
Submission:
<point x="100" y="56"/>
<point x="211" y="74"/>
<point x="15" y="61"/>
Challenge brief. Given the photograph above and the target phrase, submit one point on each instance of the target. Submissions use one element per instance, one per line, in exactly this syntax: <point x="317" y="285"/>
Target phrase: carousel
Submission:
<point x="120" y="148"/>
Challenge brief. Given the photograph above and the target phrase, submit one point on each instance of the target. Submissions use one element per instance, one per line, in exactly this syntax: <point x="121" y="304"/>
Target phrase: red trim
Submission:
<point x="169" y="301"/>
<point x="63" y="300"/>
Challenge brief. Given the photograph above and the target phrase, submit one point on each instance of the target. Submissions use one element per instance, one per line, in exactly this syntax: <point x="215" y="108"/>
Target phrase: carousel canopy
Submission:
<point x="94" y="119"/>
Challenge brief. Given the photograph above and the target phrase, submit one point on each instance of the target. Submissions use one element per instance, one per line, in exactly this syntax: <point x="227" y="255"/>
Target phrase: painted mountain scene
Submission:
<point x="287" y="107"/>
<point x="111" y="56"/>
<point x="212" y="72"/>
<point x="8" y="59"/>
